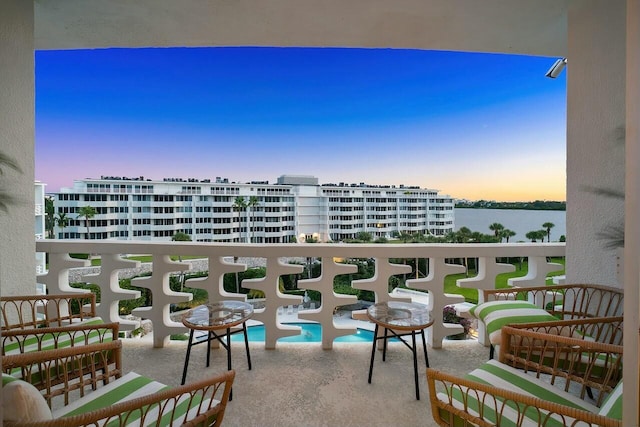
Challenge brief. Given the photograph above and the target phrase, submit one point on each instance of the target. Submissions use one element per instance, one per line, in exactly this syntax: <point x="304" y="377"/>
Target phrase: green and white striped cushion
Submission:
<point x="505" y="377"/>
<point x="63" y="340"/>
<point x="128" y="387"/>
<point x="496" y="314"/>
<point x="612" y="406"/>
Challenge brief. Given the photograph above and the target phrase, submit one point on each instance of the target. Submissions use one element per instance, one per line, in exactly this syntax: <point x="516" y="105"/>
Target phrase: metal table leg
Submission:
<point x="186" y="359"/>
<point x="210" y="336"/>
<point x="246" y="344"/>
<point x="415" y="363"/>
<point x="424" y="345"/>
<point x="373" y="352"/>
<point x="384" y="345"/>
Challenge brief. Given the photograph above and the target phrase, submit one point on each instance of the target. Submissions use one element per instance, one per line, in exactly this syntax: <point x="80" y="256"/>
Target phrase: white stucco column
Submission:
<point x="631" y="415"/>
<point x="17" y="252"/>
<point x="595" y="136"/>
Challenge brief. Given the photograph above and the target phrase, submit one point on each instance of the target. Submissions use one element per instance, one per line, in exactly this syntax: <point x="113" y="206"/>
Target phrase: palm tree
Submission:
<point x="496" y="227"/>
<point x="364" y="236"/>
<point x="507" y="234"/>
<point x="253" y="202"/>
<point x="62" y="220"/>
<point x="548" y="226"/>
<point x="463" y="235"/>
<point x="536" y="234"/>
<point x="5" y="198"/>
<point x="181" y="237"/>
<point x="86" y="212"/>
<point x="405" y="237"/>
<point x="50" y="218"/>
<point x="240" y="204"/>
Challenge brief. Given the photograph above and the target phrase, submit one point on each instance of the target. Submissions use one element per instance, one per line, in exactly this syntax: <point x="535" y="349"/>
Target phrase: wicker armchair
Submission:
<point x="105" y="396"/>
<point x="37" y="311"/>
<point x="47" y="322"/>
<point x="550" y="348"/>
<point x="543" y="304"/>
<point x="540" y="379"/>
<point x="576" y="301"/>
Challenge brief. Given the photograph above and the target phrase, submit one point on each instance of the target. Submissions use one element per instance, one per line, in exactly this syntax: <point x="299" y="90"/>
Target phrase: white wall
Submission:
<point x="17" y="261"/>
<point x="632" y="210"/>
<point x="595" y="147"/>
<point x="40" y="223"/>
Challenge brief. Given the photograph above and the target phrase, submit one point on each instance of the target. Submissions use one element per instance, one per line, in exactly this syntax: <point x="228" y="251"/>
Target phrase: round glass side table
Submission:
<point x="217" y="319"/>
<point x="399" y="319"/>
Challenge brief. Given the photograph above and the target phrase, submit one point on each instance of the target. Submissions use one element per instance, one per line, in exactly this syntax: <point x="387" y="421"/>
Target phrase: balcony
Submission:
<point x="294" y="384"/>
<point x="591" y="33"/>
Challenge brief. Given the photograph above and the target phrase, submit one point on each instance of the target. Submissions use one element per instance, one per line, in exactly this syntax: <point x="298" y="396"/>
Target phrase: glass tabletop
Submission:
<point x="400" y="314"/>
<point x="221" y="314"/>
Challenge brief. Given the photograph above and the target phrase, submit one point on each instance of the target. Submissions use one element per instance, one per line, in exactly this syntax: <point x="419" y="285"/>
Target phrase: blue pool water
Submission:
<point x="311" y="332"/>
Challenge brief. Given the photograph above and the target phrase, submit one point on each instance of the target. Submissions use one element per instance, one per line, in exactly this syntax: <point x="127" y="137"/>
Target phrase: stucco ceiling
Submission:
<point x="534" y="27"/>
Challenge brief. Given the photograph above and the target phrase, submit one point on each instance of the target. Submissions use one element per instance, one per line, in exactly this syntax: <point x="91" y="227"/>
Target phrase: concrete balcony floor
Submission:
<point x="303" y="385"/>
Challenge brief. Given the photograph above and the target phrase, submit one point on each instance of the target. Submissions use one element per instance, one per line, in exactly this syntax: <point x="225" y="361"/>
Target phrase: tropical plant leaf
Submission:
<point x="8" y="162"/>
<point x="6" y="199"/>
<point x="612" y="235"/>
<point x="607" y="192"/>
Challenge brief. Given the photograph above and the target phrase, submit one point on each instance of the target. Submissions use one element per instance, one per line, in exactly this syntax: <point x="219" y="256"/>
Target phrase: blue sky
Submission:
<point x="476" y="126"/>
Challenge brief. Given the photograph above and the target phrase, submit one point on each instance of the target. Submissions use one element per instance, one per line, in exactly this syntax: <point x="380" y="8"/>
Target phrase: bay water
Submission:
<point x="517" y="220"/>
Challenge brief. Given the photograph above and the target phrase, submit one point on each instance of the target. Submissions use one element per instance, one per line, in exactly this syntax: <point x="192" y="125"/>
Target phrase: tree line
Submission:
<point x="546" y="205"/>
<point x="499" y="234"/>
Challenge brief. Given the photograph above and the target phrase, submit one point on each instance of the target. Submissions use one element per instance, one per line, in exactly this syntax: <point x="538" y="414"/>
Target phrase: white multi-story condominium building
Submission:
<point x="296" y="208"/>
<point x="39" y="229"/>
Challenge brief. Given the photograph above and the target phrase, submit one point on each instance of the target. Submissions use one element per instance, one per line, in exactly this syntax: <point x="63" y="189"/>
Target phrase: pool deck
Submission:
<point x="300" y="384"/>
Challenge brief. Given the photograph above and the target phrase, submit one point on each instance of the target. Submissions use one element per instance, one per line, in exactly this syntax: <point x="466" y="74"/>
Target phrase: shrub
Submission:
<point x="449" y="316"/>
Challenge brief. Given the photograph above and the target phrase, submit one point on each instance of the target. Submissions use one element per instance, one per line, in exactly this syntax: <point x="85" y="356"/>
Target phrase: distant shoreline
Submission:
<point x="510" y="208"/>
<point x="537" y="205"/>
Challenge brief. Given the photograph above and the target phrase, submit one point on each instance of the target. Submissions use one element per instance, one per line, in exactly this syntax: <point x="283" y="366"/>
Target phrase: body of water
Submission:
<point x="520" y="221"/>
<point x="311" y="332"/>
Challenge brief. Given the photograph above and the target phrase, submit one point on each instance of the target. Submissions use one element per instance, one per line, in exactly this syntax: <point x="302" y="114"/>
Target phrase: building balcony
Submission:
<point x="322" y="383"/>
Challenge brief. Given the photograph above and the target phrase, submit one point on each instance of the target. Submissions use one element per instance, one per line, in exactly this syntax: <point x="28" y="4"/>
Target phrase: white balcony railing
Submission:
<point x="220" y="256"/>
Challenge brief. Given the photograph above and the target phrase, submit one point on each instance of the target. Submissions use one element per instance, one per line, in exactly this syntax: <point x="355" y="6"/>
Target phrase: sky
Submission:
<point x="473" y="126"/>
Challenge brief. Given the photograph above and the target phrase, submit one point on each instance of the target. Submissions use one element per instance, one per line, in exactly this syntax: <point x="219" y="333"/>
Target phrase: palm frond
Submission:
<point x="612" y="235"/>
<point x="8" y="162"/>
<point x="607" y="192"/>
<point x="6" y="199"/>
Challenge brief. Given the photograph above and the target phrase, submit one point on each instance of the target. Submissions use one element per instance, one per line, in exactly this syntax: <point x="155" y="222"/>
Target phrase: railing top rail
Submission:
<point x="407" y="250"/>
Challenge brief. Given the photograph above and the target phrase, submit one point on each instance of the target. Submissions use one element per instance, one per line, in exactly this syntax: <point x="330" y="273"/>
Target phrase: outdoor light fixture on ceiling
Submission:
<point x="557" y="68"/>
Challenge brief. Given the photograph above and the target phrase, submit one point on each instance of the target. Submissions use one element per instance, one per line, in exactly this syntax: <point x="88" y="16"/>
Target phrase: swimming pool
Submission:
<point x="311" y="332"/>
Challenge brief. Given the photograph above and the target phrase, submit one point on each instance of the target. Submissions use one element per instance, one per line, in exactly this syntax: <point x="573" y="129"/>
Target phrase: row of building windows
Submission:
<point x="190" y="189"/>
<point x="345" y="217"/>
<point x="163" y="210"/>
